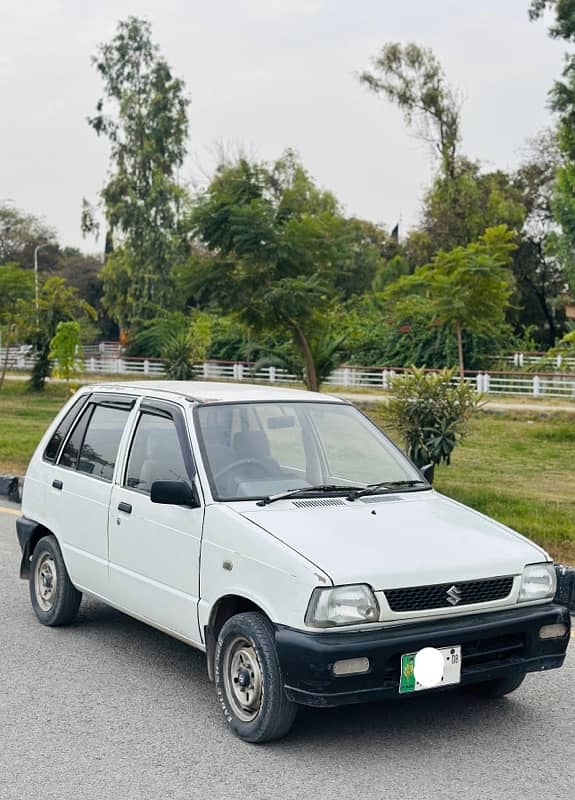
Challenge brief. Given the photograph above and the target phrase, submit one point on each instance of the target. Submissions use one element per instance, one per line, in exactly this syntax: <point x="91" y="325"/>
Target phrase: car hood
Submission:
<point x="407" y="539"/>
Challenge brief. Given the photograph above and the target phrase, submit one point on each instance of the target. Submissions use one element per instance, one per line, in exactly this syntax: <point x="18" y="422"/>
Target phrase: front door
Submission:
<point x="155" y="549"/>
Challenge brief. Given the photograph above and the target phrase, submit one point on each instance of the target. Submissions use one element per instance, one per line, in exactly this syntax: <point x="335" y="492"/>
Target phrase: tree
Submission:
<point x="538" y="264"/>
<point x="20" y="233"/>
<point x="58" y="302"/>
<point x="562" y="101"/>
<point x="16" y="292"/>
<point x="464" y="289"/>
<point x="411" y="77"/>
<point x="143" y="114"/>
<point x="65" y="347"/>
<point x="269" y="230"/>
<point x="182" y="342"/>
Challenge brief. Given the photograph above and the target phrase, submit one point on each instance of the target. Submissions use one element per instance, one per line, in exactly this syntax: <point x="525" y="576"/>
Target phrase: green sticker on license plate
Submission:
<point x="451" y="670"/>
<point x="407" y="680"/>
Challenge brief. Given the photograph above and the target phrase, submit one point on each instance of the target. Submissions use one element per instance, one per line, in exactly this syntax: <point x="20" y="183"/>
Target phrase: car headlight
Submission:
<point x="538" y="582"/>
<point x="342" y="605"/>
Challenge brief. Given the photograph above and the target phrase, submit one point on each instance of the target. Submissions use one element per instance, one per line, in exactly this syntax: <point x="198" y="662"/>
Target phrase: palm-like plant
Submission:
<point x="180" y="341"/>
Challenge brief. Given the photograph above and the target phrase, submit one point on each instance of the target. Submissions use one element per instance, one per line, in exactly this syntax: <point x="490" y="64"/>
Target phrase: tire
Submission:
<point x="498" y="687"/>
<point x="55" y="599"/>
<point x="249" y="681"/>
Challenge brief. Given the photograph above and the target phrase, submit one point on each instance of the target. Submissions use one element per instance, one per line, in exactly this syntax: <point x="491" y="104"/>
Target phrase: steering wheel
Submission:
<point x="241" y="462"/>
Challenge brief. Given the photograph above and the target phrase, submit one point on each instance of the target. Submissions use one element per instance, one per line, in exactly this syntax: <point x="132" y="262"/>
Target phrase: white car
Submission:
<point x="286" y="536"/>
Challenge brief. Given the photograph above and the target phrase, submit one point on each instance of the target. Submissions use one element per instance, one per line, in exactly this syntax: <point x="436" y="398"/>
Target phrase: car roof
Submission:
<point x="212" y="392"/>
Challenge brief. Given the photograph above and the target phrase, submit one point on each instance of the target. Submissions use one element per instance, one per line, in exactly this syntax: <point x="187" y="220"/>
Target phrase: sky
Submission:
<point x="265" y="75"/>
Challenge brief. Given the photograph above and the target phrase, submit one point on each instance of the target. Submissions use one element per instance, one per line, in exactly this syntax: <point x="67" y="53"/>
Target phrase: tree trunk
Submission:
<point x="460" y="350"/>
<point x="303" y="344"/>
<point x="5" y="364"/>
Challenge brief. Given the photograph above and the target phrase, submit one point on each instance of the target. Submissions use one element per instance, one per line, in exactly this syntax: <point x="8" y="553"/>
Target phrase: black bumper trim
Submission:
<point x="494" y="645"/>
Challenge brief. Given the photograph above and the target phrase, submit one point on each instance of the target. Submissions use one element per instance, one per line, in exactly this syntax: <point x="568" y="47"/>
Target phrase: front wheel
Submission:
<point x="498" y="687"/>
<point x="249" y="682"/>
<point x="55" y="599"/>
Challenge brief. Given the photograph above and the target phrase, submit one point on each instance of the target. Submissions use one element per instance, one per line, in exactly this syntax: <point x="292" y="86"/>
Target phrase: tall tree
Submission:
<point x="466" y="289"/>
<point x="562" y="101"/>
<point x="274" y="241"/>
<point x="538" y="264"/>
<point x="143" y="114"/>
<point x="411" y="77"/>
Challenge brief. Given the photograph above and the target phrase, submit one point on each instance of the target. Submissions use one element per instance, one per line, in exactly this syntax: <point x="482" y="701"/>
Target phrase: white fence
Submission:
<point x="545" y="384"/>
<point x="532" y="359"/>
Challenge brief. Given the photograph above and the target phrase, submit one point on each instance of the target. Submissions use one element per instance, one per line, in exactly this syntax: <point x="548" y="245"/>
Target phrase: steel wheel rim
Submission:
<point x="45" y="582"/>
<point x="243" y="679"/>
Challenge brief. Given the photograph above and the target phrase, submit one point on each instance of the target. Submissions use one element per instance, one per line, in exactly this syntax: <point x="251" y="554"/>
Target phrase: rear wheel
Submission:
<point x="55" y="599"/>
<point x="498" y="687"/>
<point x="249" y="682"/>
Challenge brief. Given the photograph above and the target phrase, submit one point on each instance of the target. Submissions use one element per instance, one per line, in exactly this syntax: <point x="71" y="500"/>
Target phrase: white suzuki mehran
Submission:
<point x="286" y="536"/>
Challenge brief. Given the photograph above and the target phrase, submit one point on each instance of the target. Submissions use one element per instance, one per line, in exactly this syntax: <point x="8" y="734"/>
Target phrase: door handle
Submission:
<point x="125" y="507"/>
<point x="57" y="485"/>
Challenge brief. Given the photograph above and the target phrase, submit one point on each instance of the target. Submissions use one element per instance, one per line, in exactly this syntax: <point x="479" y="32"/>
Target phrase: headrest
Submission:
<point x="252" y="444"/>
<point x="162" y="444"/>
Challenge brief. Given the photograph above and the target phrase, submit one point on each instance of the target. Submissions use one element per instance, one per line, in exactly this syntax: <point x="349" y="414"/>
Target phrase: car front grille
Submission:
<point x="448" y="595"/>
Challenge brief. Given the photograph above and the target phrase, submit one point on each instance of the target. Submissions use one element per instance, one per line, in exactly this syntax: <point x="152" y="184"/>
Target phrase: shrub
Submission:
<point x="430" y="411"/>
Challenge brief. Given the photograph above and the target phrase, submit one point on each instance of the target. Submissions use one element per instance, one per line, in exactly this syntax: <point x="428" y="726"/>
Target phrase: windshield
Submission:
<point x="253" y="450"/>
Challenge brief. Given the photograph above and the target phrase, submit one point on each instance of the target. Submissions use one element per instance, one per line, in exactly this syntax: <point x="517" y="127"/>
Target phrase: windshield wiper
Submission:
<point x="323" y="487"/>
<point x="386" y="486"/>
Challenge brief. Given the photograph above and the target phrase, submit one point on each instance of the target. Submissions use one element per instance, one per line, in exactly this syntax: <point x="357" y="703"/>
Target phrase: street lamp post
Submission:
<point x="36" y="250"/>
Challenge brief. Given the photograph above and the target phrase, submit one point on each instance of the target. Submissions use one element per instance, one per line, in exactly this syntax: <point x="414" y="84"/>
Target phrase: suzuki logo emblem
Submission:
<point x="454" y="595"/>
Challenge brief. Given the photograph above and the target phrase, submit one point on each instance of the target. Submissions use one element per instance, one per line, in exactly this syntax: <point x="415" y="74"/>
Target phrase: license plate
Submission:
<point x="451" y="670"/>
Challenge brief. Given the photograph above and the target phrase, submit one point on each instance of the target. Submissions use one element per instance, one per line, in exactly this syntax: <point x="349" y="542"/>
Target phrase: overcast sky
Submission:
<point x="268" y="74"/>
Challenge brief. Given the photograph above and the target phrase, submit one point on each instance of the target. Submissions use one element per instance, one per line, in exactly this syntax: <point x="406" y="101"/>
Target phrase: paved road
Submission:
<point x="109" y="709"/>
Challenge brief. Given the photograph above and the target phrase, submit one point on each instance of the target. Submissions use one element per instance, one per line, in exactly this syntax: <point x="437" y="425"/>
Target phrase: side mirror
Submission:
<point x="174" y="493"/>
<point x="427" y="472"/>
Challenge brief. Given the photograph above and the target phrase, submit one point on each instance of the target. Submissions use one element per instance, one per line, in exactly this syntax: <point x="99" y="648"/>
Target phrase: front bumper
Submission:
<point x="494" y="645"/>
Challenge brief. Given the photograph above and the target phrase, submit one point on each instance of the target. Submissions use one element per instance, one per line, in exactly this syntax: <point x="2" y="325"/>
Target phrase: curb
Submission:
<point x="10" y="486"/>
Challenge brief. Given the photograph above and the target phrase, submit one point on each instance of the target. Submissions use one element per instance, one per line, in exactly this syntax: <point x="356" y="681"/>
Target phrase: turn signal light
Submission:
<point x="556" y="631"/>
<point x="351" y="666"/>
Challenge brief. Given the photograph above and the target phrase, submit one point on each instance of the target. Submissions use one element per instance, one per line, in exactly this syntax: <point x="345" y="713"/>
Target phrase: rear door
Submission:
<point x="80" y="485"/>
<point x="155" y="549"/>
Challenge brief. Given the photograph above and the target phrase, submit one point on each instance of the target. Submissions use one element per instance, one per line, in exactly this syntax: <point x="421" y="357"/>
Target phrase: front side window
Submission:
<point x="155" y="454"/>
<point x="281" y="446"/>
<point x="100" y="446"/>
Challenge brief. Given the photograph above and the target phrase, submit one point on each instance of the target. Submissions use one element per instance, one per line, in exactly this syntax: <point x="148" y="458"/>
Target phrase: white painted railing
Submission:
<point x="559" y="361"/>
<point x="544" y="384"/>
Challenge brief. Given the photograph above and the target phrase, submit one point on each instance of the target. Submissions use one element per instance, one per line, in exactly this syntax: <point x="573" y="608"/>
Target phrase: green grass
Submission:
<point x="24" y="416"/>
<point x="518" y="467"/>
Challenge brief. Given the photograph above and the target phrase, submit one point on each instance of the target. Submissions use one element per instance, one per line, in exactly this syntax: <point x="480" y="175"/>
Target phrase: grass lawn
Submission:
<point x="518" y="467"/>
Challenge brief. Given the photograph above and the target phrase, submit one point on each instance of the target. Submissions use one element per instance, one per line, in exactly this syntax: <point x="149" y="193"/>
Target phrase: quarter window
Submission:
<point x="53" y="446"/>
<point x="69" y="456"/>
<point x="155" y="455"/>
<point x="100" y="447"/>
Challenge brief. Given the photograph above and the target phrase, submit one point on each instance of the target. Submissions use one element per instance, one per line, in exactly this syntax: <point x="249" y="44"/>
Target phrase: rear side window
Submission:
<point x="100" y="446"/>
<point x="53" y="447"/>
